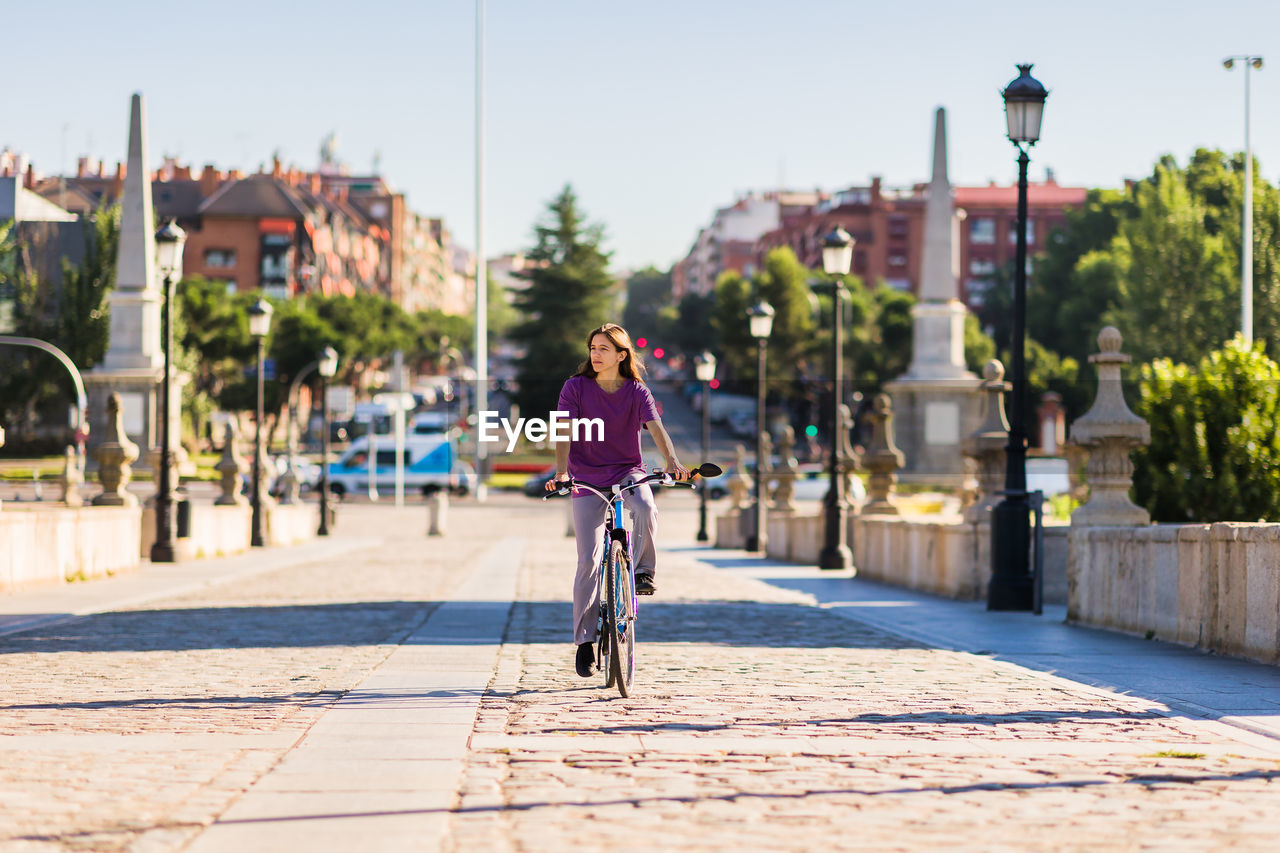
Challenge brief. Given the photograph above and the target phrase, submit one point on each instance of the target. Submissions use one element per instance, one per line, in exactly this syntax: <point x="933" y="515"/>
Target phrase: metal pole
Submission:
<point x="293" y="410"/>
<point x="82" y="400"/>
<point x="1011" y="584"/>
<point x="162" y="550"/>
<point x="706" y="444"/>
<point x="255" y="534"/>
<point x="835" y="550"/>
<point x="1246" y="238"/>
<point x="482" y="323"/>
<point x="755" y="542"/>
<point x="324" y="457"/>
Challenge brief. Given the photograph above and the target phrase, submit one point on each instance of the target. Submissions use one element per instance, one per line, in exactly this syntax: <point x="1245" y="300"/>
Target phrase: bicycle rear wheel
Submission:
<point x="620" y="619"/>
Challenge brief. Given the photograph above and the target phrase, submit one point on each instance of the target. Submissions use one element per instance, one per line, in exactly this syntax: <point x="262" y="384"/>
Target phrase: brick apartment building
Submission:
<point x="290" y="232"/>
<point x="888" y="225"/>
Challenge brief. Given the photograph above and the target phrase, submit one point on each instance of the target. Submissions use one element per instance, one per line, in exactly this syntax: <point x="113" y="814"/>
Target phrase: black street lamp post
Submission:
<point x="259" y="326"/>
<point x="1011" y="583"/>
<point x="169" y="240"/>
<point x="761" y="324"/>
<point x="705" y="370"/>
<point x="328" y="368"/>
<point x="837" y="257"/>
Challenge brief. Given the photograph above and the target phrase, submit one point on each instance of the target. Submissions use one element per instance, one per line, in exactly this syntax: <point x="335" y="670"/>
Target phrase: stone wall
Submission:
<point x="1212" y="586"/>
<point x="217" y="531"/>
<point x="945" y="555"/>
<point x="942" y="554"/>
<point x="42" y="545"/>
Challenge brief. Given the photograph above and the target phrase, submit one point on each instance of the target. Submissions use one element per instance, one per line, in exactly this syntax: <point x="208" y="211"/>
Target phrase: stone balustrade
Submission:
<point x="1212" y="586"/>
<point x="44" y="544"/>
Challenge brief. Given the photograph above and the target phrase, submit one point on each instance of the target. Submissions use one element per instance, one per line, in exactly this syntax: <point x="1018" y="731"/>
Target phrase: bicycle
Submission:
<point x="618" y="606"/>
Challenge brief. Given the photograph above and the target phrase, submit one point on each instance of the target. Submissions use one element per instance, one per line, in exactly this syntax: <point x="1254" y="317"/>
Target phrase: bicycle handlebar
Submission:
<point x="662" y="478"/>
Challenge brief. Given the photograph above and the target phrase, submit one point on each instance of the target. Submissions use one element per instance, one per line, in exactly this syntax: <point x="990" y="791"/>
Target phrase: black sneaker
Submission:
<point x="645" y="585"/>
<point x="586" y="659"/>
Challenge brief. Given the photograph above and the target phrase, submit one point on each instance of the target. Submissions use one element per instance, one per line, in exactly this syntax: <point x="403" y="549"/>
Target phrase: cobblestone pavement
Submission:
<point x="762" y="722"/>
<point x="134" y="729"/>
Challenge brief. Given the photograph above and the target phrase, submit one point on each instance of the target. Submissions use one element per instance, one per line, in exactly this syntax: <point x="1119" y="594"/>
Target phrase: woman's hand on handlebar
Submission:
<point x="677" y="471"/>
<point x="557" y="482"/>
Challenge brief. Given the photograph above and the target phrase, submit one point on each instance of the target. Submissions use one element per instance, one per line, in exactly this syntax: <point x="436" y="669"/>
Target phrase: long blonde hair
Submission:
<point x="630" y="367"/>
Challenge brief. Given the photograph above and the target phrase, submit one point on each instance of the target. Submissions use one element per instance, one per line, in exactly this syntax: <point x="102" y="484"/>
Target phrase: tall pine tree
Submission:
<point x="570" y="293"/>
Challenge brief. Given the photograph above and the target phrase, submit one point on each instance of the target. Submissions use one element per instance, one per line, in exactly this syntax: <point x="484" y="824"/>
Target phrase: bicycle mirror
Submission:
<point x="707" y="469"/>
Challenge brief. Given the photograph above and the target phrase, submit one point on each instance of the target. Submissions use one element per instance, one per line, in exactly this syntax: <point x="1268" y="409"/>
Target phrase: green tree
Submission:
<point x="1214" y="452"/>
<point x="500" y="313"/>
<point x="648" y="292"/>
<point x="71" y="314"/>
<point x="737" y="353"/>
<point x="570" y="293"/>
<point x="1175" y="295"/>
<point x="689" y="327"/>
<point x="1072" y="283"/>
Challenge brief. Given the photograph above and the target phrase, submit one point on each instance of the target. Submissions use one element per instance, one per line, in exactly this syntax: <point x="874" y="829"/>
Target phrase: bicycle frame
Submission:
<point x="610" y="636"/>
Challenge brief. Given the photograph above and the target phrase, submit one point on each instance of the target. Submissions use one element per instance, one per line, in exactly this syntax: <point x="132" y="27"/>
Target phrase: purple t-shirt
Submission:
<point x="605" y="463"/>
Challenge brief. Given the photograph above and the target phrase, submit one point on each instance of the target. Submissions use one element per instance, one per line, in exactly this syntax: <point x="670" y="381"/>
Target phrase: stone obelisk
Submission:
<point x="134" y="363"/>
<point x="937" y="400"/>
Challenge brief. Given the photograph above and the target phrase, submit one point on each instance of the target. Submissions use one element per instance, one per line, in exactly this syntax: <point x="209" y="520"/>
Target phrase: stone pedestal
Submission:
<point x="932" y="417"/>
<point x="936" y="400"/>
<point x="115" y="455"/>
<point x="986" y="446"/>
<point x="1109" y="431"/>
<point x="133" y="367"/>
<point x="882" y="458"/>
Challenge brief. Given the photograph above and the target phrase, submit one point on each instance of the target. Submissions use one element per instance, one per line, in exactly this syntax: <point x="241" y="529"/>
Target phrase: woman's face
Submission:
<point x="604" y="355"/>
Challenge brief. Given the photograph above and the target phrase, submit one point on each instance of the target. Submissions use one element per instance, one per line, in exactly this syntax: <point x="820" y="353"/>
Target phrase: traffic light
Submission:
<point x="642" y="342"/>
<point x="811" y="431"/>
<point x="659" y="352"/>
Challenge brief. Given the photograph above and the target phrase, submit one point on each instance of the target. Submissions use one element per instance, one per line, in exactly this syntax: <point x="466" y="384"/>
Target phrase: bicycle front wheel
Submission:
<point x="620" y="619"/>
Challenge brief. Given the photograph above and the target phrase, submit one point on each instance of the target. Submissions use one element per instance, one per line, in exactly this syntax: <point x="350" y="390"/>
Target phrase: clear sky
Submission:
<point x="656" y="112"/>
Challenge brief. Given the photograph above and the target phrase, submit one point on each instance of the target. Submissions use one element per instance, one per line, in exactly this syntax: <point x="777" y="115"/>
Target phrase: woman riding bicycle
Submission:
<point x="609" y="386"/>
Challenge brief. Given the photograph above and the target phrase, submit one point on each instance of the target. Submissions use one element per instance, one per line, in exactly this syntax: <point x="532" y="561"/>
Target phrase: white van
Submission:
<point x="430" y="463"/>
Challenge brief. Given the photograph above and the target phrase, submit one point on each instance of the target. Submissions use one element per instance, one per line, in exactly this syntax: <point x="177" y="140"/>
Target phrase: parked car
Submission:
<point x="742" y="424"/>
<point x="307" y="472"/>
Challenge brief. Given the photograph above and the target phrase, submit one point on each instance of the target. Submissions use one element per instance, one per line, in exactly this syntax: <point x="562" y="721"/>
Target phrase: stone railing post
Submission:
<point x="785" y="476"/>
<point x="986" y="445"/>
<point x="766" y="468"/>
<point x="882" y="458"/>
<point x="1109" y="431"/>
<point x="850" y="457"/>
<point x="265" y="467"/>
<point x="290" y="487"/>
<point x="116" y="456"/>
<point x="70" y="479"/>
<point x="739" y="483"/>
<point x="232" y="469"/>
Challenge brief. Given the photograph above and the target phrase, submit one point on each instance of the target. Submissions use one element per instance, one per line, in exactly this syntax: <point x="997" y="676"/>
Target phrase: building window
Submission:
<point x="1031" y="231"/>
<point x="898" y="226"/>
<point x="898" y="283"/>
<point x="982" y="231"/>
<point x="897" y="260"/>
<point x="982" y="266"/>
<point x="232" y="287"/>
<point x="220" y="258"/>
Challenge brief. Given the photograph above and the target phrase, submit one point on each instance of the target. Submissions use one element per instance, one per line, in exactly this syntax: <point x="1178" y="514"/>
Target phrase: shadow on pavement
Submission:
<point x="383" y="700"/>
<point x="1145" y="779"/>
<point x="934" y="718"/>
<point x="732" y="623"/>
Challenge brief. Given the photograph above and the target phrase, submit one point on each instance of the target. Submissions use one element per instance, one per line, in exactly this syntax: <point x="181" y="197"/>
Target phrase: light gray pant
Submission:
<point x="588" y="526"/>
